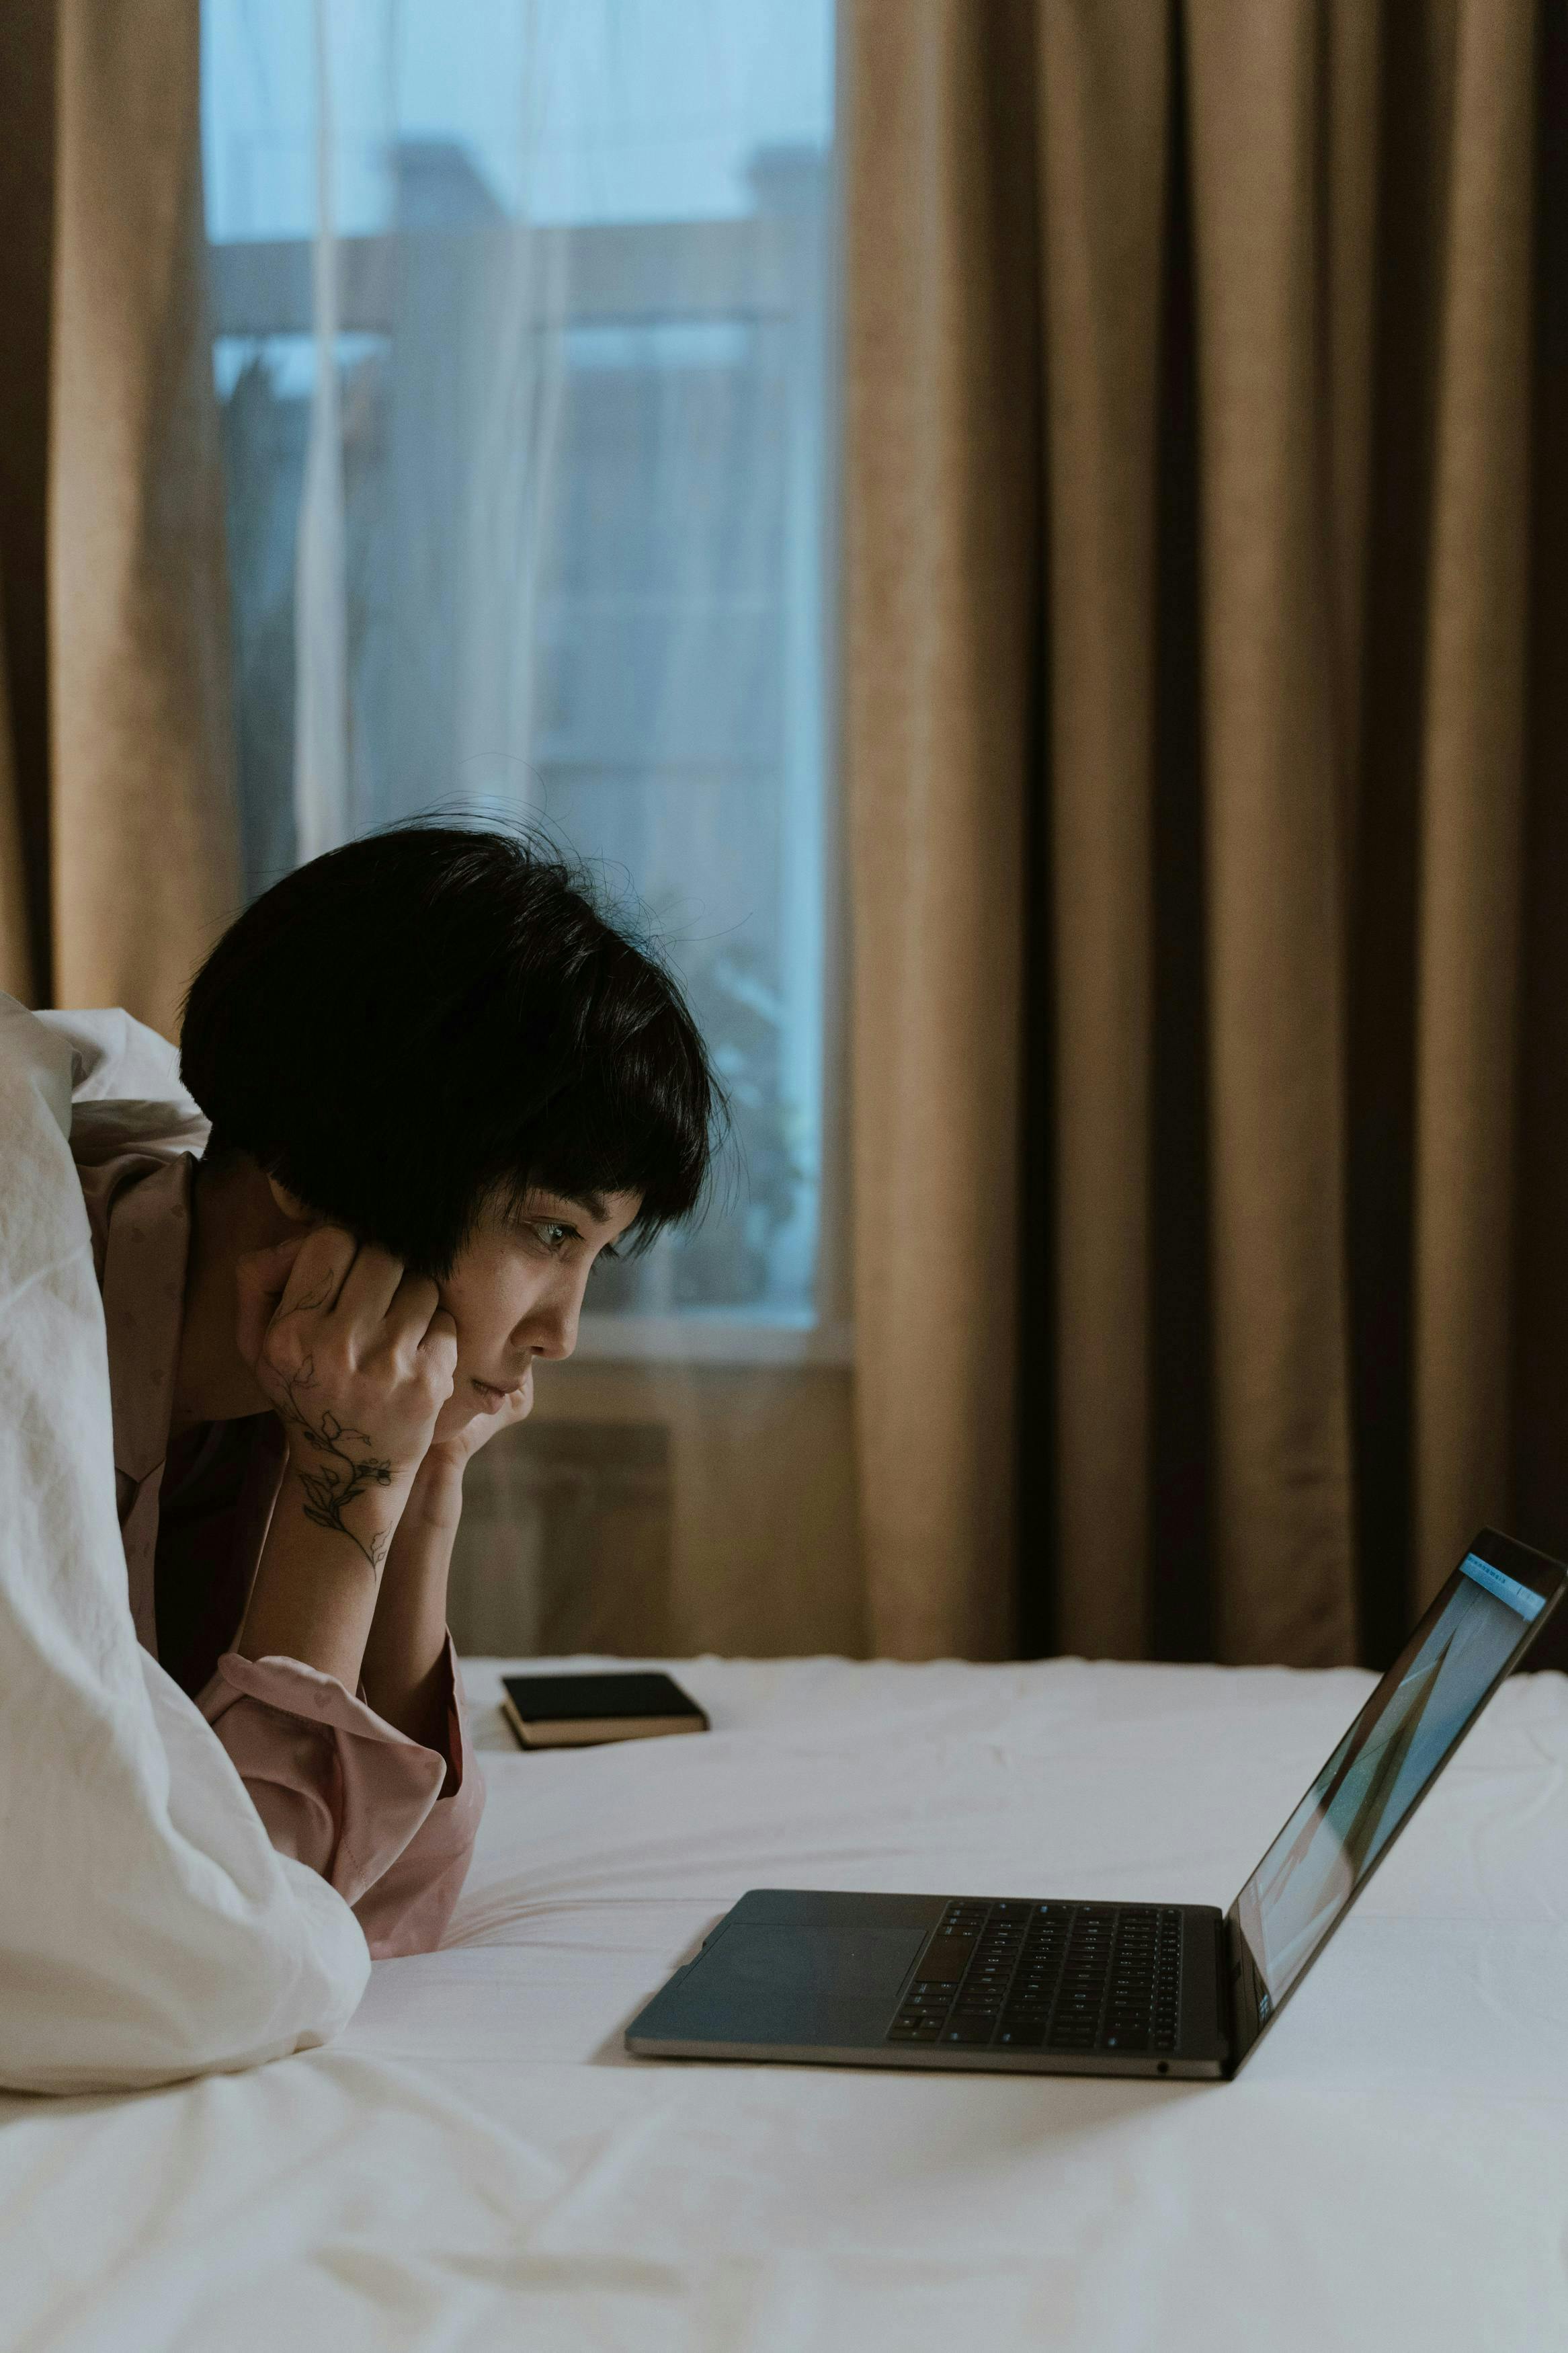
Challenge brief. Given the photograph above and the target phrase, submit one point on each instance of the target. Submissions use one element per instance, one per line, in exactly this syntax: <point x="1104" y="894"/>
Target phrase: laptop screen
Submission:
<point x="1402" y="1738"/>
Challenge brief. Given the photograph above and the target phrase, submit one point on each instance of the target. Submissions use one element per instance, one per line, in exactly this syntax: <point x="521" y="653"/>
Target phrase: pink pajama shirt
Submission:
<point x="336" y="1786"/>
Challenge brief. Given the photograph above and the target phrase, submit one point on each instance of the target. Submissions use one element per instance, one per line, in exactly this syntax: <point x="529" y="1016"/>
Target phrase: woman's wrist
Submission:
<point x="404" y="1652"/>
<point x="314" y="1595"/>
<point x="435" y="1497"/>
<point x="359" y="1503"/>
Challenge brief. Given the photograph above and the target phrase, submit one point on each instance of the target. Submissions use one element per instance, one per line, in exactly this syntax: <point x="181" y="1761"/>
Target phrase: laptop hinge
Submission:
<point x="1225" y="1989"/>
<point x="1242" y="2022"/>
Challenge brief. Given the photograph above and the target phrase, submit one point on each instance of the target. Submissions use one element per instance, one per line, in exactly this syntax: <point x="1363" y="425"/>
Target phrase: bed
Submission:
<point x="477" y="2163"/>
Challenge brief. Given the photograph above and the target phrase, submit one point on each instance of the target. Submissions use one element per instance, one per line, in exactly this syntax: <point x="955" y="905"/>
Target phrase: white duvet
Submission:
<point x="148" y="1930"/>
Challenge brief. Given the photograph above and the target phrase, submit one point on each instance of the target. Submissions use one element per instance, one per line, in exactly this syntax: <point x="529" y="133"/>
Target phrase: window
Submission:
<point x="521" y="314"/>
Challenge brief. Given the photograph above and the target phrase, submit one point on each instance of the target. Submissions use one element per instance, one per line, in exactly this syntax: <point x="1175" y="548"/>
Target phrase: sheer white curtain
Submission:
<point x="524" y="351"/>
<point x="522" y="313"/>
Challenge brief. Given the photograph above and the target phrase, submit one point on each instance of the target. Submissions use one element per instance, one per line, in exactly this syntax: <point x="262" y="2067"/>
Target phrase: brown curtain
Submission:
<point x="1206" y="532"/>
<point x="117" y="837"/>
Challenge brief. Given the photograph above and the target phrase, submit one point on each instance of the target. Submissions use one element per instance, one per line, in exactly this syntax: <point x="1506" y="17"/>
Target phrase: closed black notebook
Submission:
<point x="576" y="1711"/>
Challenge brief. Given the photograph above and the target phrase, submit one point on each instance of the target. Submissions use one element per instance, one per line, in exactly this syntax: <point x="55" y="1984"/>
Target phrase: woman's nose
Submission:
<point x="550" y="1330"/>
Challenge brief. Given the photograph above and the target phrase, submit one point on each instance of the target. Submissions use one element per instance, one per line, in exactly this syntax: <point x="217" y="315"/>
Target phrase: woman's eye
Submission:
<point x="552" y="1233"/>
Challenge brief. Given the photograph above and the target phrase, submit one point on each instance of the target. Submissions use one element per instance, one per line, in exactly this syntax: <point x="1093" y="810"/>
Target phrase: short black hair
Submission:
<point x="434" y="1016"/>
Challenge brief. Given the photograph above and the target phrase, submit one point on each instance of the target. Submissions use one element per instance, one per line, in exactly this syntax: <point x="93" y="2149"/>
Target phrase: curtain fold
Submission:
<point x="1469" y="929"/>
<point x="1228" y="323"/>
<point x="1261" y="103"/>
<point x="941" y="565"/>
<point x="26" y="264"/>
<point x="16" y="930"/>
<point x="118" y="834"/>
<point x="1102" y="203"/>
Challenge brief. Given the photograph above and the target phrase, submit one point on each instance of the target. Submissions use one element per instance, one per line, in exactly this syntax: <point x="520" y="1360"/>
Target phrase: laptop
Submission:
<point x="1032" y="1985"/>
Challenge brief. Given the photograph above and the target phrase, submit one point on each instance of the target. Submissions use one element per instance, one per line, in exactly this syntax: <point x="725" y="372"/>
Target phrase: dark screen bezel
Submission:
<point x="1544" y="1577"/>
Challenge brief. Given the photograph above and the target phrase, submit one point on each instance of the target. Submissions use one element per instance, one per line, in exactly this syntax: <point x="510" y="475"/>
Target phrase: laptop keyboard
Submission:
<point x="1051" y="1977"/>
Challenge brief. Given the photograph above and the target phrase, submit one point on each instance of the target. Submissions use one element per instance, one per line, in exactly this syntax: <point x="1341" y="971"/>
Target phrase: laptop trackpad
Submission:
<point x="763" y="1984"/>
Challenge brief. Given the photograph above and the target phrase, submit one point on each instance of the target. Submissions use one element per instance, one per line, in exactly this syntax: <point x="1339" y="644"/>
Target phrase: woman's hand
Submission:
<point x="404" y="1665"/>
<point x="439" y="1485"/>
<point x="436" y="1498"/>
<point x="357" y="1357"/>
<point x="456" y="1450"/>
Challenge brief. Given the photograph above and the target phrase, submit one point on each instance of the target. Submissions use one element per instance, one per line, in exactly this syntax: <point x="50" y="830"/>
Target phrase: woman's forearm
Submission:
<point x="314" y="1593"/>
<point x="404" y="1668"/>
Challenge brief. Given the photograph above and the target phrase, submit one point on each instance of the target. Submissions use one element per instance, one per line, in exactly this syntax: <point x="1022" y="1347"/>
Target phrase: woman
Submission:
<point x="441" y="1085"/>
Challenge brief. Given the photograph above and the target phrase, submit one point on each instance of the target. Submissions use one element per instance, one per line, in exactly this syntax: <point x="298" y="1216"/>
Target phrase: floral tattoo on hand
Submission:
<point x="343" y="1478"/>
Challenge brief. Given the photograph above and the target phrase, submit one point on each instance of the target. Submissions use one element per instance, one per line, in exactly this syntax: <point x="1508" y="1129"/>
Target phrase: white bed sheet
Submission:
<point x="478" y="2163"/>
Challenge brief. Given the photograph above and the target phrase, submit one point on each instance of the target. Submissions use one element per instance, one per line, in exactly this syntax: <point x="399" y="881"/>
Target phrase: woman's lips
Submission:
<point x="488" y="1390"/>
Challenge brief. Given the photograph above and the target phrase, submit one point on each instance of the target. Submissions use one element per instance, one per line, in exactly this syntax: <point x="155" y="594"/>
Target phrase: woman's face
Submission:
<point x="516" y="1292"/>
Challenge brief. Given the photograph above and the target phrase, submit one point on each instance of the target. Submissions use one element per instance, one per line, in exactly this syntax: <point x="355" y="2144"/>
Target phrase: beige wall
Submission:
<point x="720" y="1513"/>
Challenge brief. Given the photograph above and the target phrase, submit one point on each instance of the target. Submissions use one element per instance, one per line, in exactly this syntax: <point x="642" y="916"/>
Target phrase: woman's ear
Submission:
<point x="291" y="1205"/>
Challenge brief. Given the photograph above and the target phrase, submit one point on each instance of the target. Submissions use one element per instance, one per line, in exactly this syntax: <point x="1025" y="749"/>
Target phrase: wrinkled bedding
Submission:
<point x="147" y="1927"/>
<point x="476" y="2163"/>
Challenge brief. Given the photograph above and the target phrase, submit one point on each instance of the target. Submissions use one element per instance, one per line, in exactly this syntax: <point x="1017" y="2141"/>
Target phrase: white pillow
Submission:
<point x="147" y="1930"/>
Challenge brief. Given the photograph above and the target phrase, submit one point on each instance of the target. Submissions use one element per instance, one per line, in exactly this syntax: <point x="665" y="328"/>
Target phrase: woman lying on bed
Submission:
<point x="441" y="1086"/>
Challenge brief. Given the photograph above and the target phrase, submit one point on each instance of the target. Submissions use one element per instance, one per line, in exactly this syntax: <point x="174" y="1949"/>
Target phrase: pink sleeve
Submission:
<point x="345" y="1792"/>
